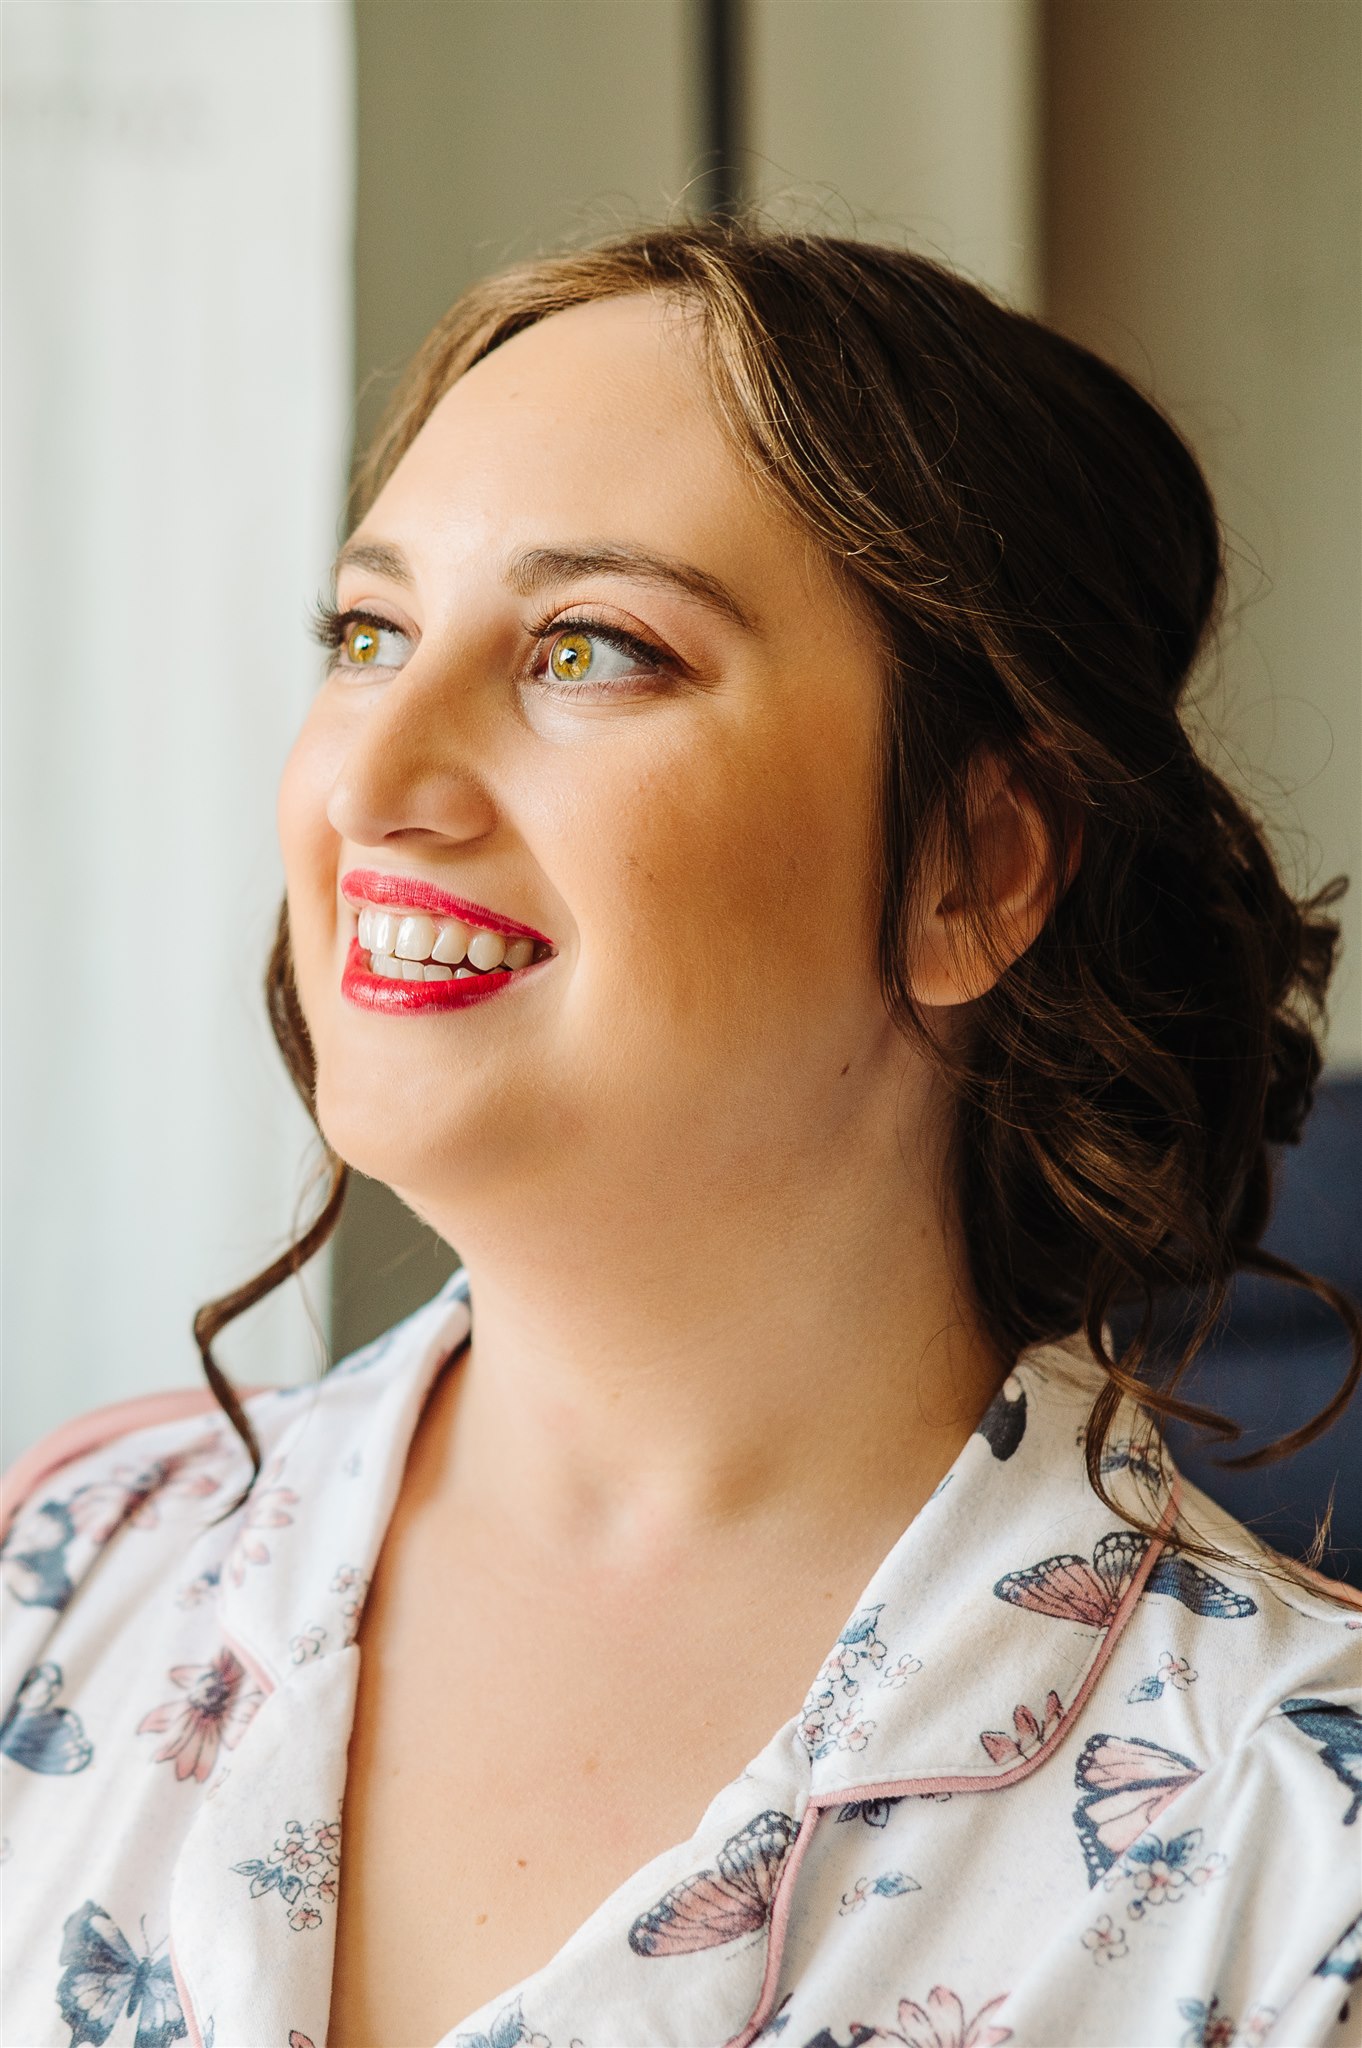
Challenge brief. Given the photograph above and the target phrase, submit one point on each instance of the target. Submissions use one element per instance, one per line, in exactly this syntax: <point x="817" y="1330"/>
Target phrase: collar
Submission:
<point x="1013" y="1555"/>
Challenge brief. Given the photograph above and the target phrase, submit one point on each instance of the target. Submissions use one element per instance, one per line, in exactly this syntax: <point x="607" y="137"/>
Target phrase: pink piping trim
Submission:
<point x="85" y="1433"/>
<point x="186" y="2003"/>
<point x="898" y="1788"/>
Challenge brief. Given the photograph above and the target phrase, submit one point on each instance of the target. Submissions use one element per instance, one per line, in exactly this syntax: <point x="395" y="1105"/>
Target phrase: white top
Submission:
<point x="1053" y="1784"/>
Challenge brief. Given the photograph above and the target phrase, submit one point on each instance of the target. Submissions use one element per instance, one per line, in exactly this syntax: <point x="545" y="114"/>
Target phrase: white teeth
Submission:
<point x="406" y="945"/>
<point x="451" y="942"/>
<point x="465" y="974"/>
<point x="415" y="937"/>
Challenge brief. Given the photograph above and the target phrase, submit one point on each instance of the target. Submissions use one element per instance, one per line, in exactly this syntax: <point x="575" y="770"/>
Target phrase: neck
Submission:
<point x="647" y="1373"/>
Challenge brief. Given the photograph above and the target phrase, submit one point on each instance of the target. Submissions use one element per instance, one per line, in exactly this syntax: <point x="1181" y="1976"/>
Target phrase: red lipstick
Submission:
<point x="408" y="892"/>
<point x="376" y="992"/>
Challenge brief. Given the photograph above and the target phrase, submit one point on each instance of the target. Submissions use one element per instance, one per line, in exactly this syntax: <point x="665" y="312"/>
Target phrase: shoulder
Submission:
<point x="97" y="1430"/>
<point x="154" y="1465"/>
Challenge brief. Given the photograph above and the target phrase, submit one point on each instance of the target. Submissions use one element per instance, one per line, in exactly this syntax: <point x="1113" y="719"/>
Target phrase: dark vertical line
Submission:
<point x="721" y="71"/>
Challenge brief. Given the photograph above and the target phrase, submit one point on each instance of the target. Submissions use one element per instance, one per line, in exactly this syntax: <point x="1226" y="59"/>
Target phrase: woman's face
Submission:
<point x="685" y="813"/>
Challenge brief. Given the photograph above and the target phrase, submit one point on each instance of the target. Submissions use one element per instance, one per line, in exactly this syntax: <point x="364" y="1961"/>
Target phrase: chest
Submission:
<point x="516" y="1757"/>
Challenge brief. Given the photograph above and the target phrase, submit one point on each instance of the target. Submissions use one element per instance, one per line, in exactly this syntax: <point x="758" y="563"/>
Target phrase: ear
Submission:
<point x="1014" y="872"/>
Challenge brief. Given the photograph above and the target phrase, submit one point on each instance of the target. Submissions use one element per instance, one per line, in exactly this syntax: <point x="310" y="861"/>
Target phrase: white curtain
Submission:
<point x="177" y="363"/>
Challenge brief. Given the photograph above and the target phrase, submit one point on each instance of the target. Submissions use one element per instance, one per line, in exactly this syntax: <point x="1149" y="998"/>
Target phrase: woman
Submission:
<point x="750" y="889"/>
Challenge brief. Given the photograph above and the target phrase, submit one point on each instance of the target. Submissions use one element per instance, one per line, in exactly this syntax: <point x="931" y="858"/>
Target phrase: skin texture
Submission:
<point x="696" y="1175"/>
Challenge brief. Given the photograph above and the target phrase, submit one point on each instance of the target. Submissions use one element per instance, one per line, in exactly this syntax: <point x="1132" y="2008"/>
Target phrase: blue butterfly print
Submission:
<point x="874" y="1812"/>
<point x="104" y="1977"/>
<point x="1003" y="1424"/>
<point x="40" y="1735"/>
<point x="508" y="2029"/>
<point x="1338" y="1731"/>
<point x="38" y="1576"/>
<point x="1344" y="1959"/>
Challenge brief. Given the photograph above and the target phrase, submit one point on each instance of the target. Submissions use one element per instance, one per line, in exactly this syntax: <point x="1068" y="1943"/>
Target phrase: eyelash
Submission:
<point x="329" y="627"/>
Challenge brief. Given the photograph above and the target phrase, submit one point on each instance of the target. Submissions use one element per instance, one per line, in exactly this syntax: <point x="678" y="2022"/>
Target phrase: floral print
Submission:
<point x="1174" y="1671"/>
<point x="1211" y="2026"/>
<point x="1031" y="1735"/>
<point x="302" y="1868"/>
<point x="218" y="1707"/>
<point x="1163" y="1873"/>
<point x="269" y="1507"/>
<point x="1106" y="1941"/>
<point x="890" y="1884"/>
<point x="1028" y="1749"/>
<point x="941" y="2023"/>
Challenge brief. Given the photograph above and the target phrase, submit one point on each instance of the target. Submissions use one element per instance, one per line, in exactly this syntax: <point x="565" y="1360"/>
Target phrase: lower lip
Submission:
<point x="376" y="992"/>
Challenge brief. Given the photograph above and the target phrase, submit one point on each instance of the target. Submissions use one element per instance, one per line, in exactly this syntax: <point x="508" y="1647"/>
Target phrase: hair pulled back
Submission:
<point x="1040" y="549"/>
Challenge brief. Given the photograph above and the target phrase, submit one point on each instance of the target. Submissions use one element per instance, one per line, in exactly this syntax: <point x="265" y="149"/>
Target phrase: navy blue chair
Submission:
<point x="1281" y="1353"/>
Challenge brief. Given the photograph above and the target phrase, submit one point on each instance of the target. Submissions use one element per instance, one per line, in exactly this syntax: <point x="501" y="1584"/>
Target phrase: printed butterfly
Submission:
<point x="104" y="1977"/>
<point x="720" y="1905"/>
<point x="874" y="1812"/>
<point x="1126" y="1784"/>
<point x="1003" y="1424"/>
<point x="37" y="1573"/>
<point x="1069" y="1588"/>
<point x="1338" y="1731"/>
<point x="39" y="1735"/>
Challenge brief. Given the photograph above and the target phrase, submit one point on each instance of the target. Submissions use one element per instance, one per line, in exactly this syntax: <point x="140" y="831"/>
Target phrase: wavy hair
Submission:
<point x="1041" y="552"/>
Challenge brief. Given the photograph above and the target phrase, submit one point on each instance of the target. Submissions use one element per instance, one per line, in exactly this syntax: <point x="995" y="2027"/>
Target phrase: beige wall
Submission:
<point x="1203" y="196"/>
<point x="903" y="120"/>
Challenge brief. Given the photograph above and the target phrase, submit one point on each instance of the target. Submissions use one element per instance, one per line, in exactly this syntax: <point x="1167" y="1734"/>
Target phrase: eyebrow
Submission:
<point x="378" y="557"/>
<point x="534" y="569"/>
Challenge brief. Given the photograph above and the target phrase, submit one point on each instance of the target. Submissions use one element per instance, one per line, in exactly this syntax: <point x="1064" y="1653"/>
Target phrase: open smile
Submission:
<point x="417" y="948"/>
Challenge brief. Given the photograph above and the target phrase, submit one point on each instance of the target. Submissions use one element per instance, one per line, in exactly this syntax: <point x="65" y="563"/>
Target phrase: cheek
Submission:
<point x="309" y="845"/>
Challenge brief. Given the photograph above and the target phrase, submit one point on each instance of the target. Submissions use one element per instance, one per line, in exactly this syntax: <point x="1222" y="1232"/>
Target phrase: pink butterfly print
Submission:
<point x="942" y="2023"/>
<point x="720" y="1905"/>
<point x="297" y="2040"/>
<point x="1126" y="1784"/>
<point x="1069" y="1588"/>
<point x="1031" y="1734"/>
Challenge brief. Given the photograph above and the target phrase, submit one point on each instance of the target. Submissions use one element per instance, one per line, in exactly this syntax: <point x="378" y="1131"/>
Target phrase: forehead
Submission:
<point x="598" y="421"/>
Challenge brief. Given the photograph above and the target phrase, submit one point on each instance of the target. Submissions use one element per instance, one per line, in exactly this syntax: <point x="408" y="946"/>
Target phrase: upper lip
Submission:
<point x="409" y="892"/>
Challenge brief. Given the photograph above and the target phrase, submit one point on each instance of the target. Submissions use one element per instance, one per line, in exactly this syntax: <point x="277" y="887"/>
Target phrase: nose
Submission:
<point x="411" y="768"/>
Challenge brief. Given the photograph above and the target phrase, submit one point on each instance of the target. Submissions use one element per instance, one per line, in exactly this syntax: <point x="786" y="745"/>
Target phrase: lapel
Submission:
<point x="253" y="1895"/>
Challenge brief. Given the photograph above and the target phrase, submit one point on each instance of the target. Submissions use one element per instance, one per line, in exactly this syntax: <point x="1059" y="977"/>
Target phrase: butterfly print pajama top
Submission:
<point x="1054" y="1782"/>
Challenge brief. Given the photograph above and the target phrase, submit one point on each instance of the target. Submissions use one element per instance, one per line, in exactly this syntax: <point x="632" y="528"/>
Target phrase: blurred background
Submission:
<point x="226" y="225"/>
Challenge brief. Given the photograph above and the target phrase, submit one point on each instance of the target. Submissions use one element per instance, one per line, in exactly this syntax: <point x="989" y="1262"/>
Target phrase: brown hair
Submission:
<point x="1041" y="551"/>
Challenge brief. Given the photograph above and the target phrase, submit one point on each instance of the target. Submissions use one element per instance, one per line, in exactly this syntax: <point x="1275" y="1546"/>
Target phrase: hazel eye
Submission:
<point x="570" y="657"/>
<point x="587" y="655"/>
<point x="365" y="641"/>
<point x="361" y="644"/>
